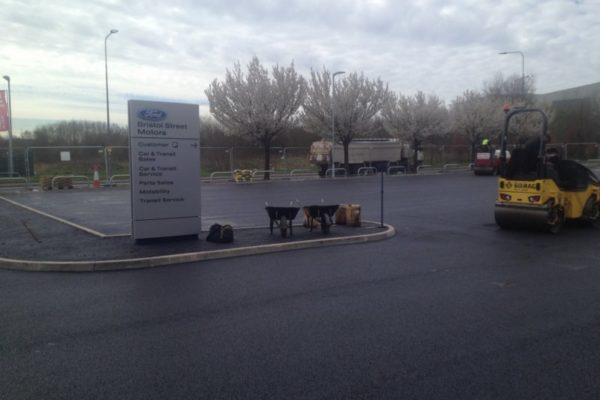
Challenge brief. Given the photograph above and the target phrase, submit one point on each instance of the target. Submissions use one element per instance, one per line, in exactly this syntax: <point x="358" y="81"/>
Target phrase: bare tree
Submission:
<point x="78" y="133"/>
<point x="357" y="101"/>
<point x="415" y="118"/>
<point x="512" y="92"/>
<point x="256" y="104"/>
<point x="473" y="115"/>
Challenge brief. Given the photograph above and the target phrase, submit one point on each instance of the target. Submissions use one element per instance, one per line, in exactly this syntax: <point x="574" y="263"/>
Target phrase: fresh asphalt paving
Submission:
<point x="32" y="236"/>
<point x="31" y="241"/>
<point x="450" y="308"/>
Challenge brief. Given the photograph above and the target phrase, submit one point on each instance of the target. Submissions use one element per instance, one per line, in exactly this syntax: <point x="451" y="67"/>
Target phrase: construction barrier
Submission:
<point x="96" y="182"/>
<point x="242" y="175"/>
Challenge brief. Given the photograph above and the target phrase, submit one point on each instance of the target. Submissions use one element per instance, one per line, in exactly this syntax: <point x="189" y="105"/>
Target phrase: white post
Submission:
<point x="107" y="159"/>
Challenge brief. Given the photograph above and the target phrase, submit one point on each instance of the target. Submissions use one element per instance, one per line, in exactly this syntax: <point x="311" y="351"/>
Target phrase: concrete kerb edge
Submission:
<point x="149" y="262"/>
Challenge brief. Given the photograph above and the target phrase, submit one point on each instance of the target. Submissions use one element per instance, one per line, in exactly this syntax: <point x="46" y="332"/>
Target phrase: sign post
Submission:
<point x="381" y="199"/>
<point x="164" y="166"/>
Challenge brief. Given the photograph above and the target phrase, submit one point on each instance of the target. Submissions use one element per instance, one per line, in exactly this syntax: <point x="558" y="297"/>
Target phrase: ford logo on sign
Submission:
<point x="151" y="114"/>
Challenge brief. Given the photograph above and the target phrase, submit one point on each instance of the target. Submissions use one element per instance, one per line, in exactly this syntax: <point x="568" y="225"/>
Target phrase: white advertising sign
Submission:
<point x="164" y="154"/>
<point x="65" y="156"/>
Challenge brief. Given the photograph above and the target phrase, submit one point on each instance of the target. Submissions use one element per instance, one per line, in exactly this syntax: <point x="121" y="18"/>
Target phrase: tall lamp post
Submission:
<point x="10" y="149"/>
<point x="333" y="117"/>
<point x="106" y="156"/>
<point x="522" y="68"/>
<point x="106" y="75"/>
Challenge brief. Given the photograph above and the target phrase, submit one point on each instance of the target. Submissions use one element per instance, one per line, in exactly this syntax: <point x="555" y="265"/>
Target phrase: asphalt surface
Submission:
<point x="450" y="308"/>
<point x="32" y="236"/>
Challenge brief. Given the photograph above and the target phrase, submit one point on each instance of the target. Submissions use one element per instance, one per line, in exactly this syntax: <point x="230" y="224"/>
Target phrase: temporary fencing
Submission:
<point x="31" y="163"/>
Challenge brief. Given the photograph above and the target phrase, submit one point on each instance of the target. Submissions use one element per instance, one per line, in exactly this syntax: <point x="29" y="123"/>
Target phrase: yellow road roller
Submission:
<point x="537" y="190"/>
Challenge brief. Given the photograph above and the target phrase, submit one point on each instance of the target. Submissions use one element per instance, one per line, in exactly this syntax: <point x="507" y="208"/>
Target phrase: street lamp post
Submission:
<point x="522" y="68"/>
<point x="106" y="156"/>
<point x="333" y="117"/>
<point x="10" y="148"/>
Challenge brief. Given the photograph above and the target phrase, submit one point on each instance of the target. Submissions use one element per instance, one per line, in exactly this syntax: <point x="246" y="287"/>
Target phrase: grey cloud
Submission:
<point x="175" y="49"/>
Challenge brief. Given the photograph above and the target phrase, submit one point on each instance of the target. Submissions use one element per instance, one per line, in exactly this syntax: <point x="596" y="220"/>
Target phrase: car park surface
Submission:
<point x="451" y="307"/>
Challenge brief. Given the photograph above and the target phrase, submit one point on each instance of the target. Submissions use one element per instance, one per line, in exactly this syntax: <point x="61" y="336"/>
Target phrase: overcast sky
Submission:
<point x="171" y="51"/>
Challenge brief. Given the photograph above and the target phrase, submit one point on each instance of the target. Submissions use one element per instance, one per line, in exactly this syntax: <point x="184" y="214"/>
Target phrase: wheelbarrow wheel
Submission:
<point x="325" y="223"/>
<point x="283" y="226"/>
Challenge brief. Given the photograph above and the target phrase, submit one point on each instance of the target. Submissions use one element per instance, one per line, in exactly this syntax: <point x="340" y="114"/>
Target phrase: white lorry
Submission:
<point x="379" y="153"/>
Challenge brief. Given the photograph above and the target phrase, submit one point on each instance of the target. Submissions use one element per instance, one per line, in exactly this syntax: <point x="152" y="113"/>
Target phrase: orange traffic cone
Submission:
<point x="96" y="182"/>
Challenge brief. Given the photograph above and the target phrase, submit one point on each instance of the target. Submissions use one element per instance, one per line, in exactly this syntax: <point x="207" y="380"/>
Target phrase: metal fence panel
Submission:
<point x="581" y="151"/>
<point x="65" y="160"/>
<point x="19" y="162"/>
<point x="33" y="162"/>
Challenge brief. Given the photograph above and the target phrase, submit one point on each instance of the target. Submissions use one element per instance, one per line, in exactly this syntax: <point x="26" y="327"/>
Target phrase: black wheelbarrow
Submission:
<point x="282" y="217"/>
<point x="322" y="214"/>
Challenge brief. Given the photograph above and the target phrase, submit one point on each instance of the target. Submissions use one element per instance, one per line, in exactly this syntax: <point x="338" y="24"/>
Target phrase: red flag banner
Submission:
<point x="3" y="111"/>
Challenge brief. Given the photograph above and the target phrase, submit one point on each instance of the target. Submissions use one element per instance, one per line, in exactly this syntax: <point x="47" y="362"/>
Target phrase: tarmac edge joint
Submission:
<point x="173" y="259"/>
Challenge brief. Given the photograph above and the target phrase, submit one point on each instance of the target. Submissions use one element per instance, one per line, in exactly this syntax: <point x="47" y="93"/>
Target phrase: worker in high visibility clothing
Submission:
<point x="485" y="145"/>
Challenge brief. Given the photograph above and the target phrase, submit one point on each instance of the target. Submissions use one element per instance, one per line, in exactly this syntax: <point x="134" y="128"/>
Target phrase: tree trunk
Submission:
<point x="474" y="142"/>
<point x="346" y="157"/>
<point x="267" y="147"/>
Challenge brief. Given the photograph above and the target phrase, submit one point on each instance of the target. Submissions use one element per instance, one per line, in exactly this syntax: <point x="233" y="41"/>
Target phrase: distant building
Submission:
<point x="575" y="117"/>
<point x="567" y="98"/>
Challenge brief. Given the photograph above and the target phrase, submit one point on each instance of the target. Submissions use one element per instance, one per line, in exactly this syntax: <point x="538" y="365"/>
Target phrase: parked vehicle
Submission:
<point x="487" y="160"/>
<point x="320" y="154"/>
<point x="379" y="153"/>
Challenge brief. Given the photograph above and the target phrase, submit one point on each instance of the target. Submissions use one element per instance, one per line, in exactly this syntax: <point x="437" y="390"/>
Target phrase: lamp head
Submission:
<point x="513" y="52"/>
<point x="7" y="77"/>
<point x="114" y="31"/>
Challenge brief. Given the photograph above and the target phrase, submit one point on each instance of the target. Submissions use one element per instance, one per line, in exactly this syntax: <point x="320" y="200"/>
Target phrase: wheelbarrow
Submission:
<point x="282" y="217"/>
<point x="322" y="214"/>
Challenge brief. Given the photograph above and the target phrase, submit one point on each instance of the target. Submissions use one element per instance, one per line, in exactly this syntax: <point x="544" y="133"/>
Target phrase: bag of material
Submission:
<point x="220" y="234"/>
